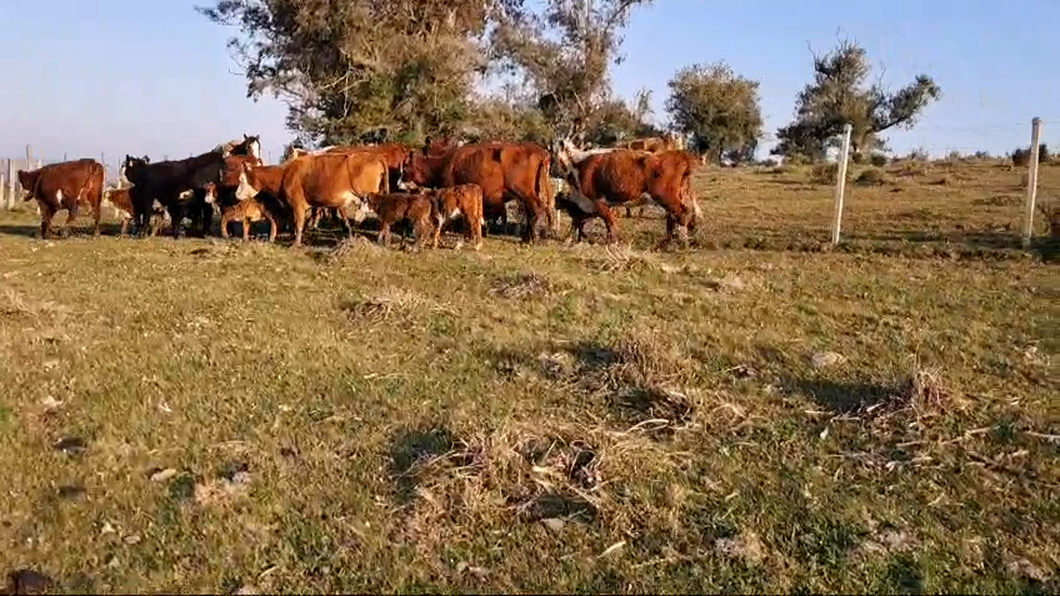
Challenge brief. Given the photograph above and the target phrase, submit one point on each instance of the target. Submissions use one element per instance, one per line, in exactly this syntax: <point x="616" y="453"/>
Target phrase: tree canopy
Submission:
<point x="359" y="70"/>
<point x="840" y="93"/>
<point x="718" y="109"/>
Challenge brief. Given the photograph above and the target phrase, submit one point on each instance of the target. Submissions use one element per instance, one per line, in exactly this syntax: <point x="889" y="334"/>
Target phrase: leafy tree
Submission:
<point x="840" y="94"/>
<point x="562" y="51"/>
<point x="718" y="109"/>
<point x="357" y="69"/>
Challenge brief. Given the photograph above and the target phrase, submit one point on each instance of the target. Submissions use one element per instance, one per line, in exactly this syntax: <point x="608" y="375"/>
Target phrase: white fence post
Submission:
<point x="12" y="178"/>
<point x="841" y="183"/>
<point x="1032" y="182"/>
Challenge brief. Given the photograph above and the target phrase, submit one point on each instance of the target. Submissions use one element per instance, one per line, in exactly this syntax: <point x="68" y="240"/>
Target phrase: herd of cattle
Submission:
<point x="427" y="187"/>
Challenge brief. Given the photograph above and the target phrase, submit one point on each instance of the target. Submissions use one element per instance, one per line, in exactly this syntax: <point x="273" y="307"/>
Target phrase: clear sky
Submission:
<point x="126" y="76"/>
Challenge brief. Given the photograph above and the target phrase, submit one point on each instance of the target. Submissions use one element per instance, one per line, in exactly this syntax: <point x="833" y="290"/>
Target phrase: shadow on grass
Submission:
<point x="842" y="397"/>
<point x="412" y="446"/>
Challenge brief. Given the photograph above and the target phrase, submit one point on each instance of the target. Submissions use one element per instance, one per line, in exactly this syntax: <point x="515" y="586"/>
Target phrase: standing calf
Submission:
<point x="419" y="209"/>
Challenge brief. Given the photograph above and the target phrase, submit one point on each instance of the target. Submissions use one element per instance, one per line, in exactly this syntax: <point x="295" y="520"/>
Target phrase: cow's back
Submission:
<point x="82" y="178"/>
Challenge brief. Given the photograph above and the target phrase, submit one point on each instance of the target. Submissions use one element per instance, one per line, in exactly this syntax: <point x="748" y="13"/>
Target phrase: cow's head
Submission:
<point x="131" y="167"/>
<point x="419" y="170"/>
<point x="252" y="146"/>
<point x="211" y="192"/>
<point x="246" y="189"/>
<point x="27" y="180"/>
<point x="565" y="154"/>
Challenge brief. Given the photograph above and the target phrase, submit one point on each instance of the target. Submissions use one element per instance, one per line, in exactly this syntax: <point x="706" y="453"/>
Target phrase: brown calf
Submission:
<point x="247" y="211"/>
<point x="64" y="185"/>
<point x="454" y="201"/>
<point x="392" y="208"/>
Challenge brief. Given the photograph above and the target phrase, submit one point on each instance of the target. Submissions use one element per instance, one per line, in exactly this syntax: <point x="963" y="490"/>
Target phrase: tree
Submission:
<point x="357" y="69"/>
<point x="840" y="94"/>
<point x="717" y="108"/>
<point x="563" y="52"/>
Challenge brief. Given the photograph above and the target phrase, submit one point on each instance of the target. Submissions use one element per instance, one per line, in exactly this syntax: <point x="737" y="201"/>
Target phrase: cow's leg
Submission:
<point x="176" y="213"/>
<point x="345" y="216"/>
<point x="609" y="219"/>
<point x="300" y="209"/>
<point x="71" y="215"/>
<point x="474" y="224"/>
<point x="384" y="233"/>
<point x="46" y="215"/>
<point x="246" y="229"/>
<point x="272" y="226"/>
<point x="423" y="230"/>
<point x="225" y="219"/>
<point x="124" y="227"/>
<point x="97" y="213"/>
<point x="439" y="222"/>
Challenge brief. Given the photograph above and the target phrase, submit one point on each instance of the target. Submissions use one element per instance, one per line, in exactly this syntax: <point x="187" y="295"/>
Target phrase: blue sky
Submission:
<point x="124" y="76"/>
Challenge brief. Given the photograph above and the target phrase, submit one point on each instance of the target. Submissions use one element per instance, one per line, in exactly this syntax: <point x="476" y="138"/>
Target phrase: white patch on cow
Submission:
<point x="402" y="185"/>
<point x="349" y="198"/>
<point x="59" y="197"/>
<point x="255" y="150"/>
<point x="185" y="195"/>
<point x="454" y="214"/>
<point x="245" y="191"/>
<point x="211" y="196"/>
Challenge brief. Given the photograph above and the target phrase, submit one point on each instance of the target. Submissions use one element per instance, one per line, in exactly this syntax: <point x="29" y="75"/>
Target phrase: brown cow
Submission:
<point x="622" y="176"/>
<point x="504" y="171"/>
<point x="668" y="142"/>
<point x="454" y="201"/>
<point x="391" y="208"/>
<point x="64" y="185"/>
<point x="120" y="199"/>
<point x="331" y="180"/>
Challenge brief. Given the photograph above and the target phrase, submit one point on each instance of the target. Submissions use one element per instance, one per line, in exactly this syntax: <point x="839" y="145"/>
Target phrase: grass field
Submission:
<point x="758" y="413"/>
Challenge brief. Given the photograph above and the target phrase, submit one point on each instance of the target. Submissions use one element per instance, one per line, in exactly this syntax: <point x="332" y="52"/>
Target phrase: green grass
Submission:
<point x="562" y="418"/>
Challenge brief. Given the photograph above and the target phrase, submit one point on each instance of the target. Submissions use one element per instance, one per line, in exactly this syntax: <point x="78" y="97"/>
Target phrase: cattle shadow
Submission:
<point x="842" y="397"/>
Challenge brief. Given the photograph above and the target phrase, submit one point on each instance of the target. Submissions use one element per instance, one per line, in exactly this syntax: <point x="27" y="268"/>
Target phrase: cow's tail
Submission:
<point x="92" y="188"/>
<point x="546" y="194"/>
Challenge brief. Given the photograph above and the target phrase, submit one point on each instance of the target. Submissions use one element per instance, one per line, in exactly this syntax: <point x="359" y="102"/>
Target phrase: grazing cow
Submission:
<point x="120" y="199"/>
<point x="336" y="180"/>
<point x="391" y="208"/>
<point x="167" y="182"/>
<point x="601" y="180"/>
<point x="247" y="211"/>
<point x="454" y="201"/>
<point x="64" y="185"/>
<point x="504" y="171"/>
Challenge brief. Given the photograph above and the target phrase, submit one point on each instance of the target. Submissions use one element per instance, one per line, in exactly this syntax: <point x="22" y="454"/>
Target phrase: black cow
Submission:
<point x="168" y="182"/>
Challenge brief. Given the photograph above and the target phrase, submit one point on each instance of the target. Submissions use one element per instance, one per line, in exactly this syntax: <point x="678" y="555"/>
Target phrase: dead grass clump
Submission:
<point x="1050" y="210"/>
<point x="641" y="386"/>
<point x="16" y="304"/>
<point x="336" y="253"/>
<point x="554" y="475"/>
<point x="825" y="173"/>
<point x="523" y="285"/>
<point x="391" y="305"/>
<point x="922" y="394"/>
<point x="871" y="177"/>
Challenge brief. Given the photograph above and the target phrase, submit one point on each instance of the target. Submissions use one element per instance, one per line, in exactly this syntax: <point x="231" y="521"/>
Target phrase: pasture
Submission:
<point x="758" y="413"/>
